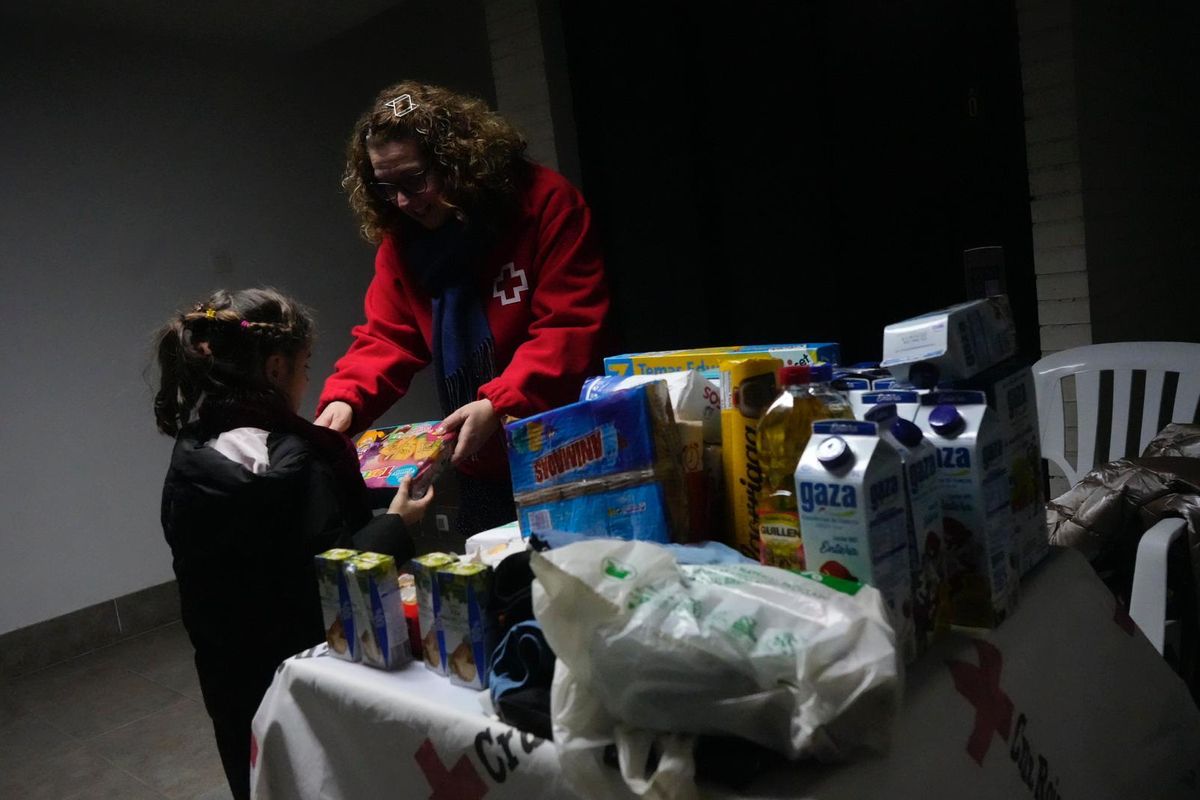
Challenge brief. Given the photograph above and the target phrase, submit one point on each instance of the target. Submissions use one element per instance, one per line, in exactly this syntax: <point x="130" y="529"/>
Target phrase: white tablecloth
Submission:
<point x="1066" y="699"/>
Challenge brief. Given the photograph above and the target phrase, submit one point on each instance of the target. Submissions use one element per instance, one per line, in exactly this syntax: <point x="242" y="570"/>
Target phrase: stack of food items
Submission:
<point x="362" y="608"/>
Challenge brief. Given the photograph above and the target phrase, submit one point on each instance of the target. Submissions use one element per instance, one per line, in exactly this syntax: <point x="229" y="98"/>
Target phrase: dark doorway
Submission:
<point x="809" y="171"/>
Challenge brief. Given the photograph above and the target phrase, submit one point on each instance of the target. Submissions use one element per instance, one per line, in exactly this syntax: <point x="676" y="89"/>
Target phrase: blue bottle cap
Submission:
<point x="946" y="420"/>
<point x="834" y="452"/>
<point x="906" y="433"/>
<point x="880" y="413"/>
<point x="820" y="373"/>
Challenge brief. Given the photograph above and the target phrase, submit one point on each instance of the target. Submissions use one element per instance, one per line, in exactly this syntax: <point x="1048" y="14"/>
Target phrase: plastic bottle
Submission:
<point x="783" y="433"/>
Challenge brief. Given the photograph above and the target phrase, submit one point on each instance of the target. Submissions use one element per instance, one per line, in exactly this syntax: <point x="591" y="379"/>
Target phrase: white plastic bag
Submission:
<point x="693" y="397"/>
<point x="651" y="652"/>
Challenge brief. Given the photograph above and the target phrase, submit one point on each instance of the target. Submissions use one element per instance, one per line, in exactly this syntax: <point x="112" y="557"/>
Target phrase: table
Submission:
<point x="1065" y="700"/>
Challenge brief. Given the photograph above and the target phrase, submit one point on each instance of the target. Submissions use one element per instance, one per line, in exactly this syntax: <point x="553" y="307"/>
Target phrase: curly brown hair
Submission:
<point x="478" y="154"/>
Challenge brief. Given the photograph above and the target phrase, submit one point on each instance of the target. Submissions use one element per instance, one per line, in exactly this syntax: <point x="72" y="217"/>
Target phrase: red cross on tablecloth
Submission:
<point x="981" y="686"/>
<point x="460" y="783"/>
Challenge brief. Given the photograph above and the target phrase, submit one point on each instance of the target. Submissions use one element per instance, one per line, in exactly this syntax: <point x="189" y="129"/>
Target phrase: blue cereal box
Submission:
<point x="608" y="466"/>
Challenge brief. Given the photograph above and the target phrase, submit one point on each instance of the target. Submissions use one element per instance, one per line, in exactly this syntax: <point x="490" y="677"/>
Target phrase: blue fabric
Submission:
<point x="523" y="660"/>
<point x="694" y="554"/>
<point x="446" y="263"/>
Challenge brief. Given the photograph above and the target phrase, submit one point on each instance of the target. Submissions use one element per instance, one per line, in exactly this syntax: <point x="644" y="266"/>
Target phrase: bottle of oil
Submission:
<point x="783" y="432"/>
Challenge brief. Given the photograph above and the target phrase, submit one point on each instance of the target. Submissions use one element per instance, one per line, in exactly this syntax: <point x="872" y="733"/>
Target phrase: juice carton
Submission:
<point x="954" y="343"/>
<point x="977" y="521"/>
<point x="926" y="545"/>
<point x="464" y="590"/>
<point x="378" y="611"/>
<point x="1011" y="395"/>
<point x="429" y="607"/>
<point x="708" y="359"/>
<point x="386" y="456"/>
<point x="854" y="517"/>
<point x="747" y="390"/>
<point x="335" y="603"/>
<point x="605" y="467"/>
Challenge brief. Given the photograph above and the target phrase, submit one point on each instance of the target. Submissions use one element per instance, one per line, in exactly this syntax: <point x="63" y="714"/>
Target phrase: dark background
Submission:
<point x="769" y="173"/>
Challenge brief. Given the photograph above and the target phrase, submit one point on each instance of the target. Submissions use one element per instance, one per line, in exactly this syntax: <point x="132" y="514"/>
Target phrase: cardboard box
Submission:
<point x="708" y="359"/>
<point x="386" y="456"/>
<point x="378" y="611"/>
<point x="951" y="344"/>
<point x="469" y="639"/>
<point x="429" y="607"/>
<point x="747" y="390"/>
<point x="336" y="609"/>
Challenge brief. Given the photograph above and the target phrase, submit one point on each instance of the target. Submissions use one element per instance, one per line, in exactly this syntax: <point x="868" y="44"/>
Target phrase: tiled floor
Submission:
<point x="124" y="722"/>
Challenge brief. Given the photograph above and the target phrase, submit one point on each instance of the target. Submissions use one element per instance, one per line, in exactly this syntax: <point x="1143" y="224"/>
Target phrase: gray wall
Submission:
<point x="137" y="176"/>
<point x="1138" y="73"/>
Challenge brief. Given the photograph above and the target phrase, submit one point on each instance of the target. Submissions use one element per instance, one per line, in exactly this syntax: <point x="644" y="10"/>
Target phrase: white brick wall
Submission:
<point x="1055" y="184"/>
<point x="519" y="72"/>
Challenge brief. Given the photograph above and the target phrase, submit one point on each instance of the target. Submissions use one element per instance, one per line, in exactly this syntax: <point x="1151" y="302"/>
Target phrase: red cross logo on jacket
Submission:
<point x="510" y="279"/>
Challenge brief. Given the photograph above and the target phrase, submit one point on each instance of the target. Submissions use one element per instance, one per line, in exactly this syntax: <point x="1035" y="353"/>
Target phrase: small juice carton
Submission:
<point x="378" y="611"/>
<point x="429" y="606"/>
<point x="335" y="603"/>
<point x="854" y="516"/>
<point x="469" y="639"/>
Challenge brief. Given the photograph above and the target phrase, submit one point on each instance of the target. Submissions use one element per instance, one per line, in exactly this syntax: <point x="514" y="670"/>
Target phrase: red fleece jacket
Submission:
<point x="545" y="298"/>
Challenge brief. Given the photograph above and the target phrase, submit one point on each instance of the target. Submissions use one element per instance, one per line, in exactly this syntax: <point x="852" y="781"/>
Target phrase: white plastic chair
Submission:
<point x="1164" y="364"/>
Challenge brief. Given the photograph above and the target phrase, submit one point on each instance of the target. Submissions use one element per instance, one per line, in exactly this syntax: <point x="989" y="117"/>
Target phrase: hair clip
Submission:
<point x="245" y="323"/>
<point x="210" y="313"/>
<point x="401" y="105"/>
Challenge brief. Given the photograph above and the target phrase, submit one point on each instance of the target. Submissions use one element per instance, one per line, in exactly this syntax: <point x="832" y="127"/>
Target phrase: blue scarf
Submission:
<point x="446" y="263"/>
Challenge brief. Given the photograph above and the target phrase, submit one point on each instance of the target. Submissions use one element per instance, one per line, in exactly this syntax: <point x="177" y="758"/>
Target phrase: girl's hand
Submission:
<point x="337" y="415"/>
<point x="475" y="423"/>
<point x="410" y="510"/>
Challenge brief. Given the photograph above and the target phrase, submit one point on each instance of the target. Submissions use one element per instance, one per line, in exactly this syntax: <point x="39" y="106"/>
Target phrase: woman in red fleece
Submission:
<point x="488" y="268"/>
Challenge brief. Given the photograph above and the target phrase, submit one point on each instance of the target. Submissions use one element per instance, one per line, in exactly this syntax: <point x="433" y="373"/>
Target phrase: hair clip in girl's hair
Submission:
<point x="210" y="313"/>
<point x="245" y="324"/>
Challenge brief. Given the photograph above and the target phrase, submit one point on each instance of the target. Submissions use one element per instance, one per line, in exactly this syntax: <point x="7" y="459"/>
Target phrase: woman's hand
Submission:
<point x="410" y="510"/>
<point x="337" y="415"/>
<point x="475" y="423"/>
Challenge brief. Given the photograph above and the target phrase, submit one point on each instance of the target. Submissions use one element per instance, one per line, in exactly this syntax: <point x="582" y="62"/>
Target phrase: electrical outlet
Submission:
<point x="442" y="522"/>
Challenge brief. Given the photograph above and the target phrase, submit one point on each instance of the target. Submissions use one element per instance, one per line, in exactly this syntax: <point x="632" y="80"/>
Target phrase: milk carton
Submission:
<point x="956" y="342"/>
<point x="853" y="516"/>
<point x="335" y="603"/>
<point x="469" y="639"/>
<point x="926" y="547"/>
<point x="429" y="607"/>
<point x="906" y="403"/>
<point x="1011" y="395"/>
<point x="973" y="479"/>
<point x="378" y="611"/>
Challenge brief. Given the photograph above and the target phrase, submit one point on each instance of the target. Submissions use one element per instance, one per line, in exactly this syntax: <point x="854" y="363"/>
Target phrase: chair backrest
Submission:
<point x="1165" y="375"/>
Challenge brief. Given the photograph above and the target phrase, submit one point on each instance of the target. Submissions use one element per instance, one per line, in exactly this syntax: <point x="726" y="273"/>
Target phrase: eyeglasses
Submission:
<point x="409" y="186"/>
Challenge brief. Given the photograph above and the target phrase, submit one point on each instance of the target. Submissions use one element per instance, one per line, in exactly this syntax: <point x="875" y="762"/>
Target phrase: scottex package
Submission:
<point x="652" y="652"/>
<point x="606" y="467"/>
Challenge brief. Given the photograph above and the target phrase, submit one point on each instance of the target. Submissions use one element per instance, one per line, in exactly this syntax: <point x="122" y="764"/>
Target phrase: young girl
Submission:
<point x="252" y="494"/>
